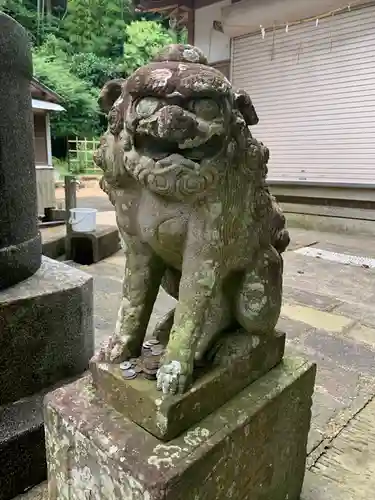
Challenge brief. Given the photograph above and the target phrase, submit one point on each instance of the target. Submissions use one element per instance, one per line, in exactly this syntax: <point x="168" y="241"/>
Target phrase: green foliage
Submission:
<point x="76" y="52"/>
<point x="52" y="49"/>
<point x="95" y="69"/>
<point x="97" y="26"/>
<point x="143" y="40"/>
<point x="21" y="11"/>
<point x="61" y="166"/>
<point x="78" y="98"/>
<point x="38" y="23"/>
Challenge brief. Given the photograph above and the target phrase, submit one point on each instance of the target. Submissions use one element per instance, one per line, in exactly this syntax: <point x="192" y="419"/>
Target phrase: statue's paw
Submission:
<point x="114" y="350"/>
<point x="174" y="377"/>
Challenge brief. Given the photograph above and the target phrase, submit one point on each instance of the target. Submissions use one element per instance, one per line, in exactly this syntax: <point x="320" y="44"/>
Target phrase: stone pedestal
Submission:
<point x="253" y="447"/>
<point x="46" y="338"/>
<point x="239" y="359"/>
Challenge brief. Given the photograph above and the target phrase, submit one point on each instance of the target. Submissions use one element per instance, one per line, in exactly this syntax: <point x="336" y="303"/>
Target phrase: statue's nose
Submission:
<point x="176" y="124"/>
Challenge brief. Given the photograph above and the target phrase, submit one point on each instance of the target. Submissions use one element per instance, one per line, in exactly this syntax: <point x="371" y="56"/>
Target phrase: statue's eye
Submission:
<point x="208" y="109"/>
<point x="147" y="106"/>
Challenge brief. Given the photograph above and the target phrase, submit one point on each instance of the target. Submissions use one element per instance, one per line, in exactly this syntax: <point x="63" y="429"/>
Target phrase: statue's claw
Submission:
<point x="114" y="350"/>
<point x="174" y="377"/>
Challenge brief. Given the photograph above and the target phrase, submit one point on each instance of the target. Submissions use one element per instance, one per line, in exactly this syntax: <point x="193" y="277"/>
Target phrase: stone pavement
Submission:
<point x="328" y="316"/>
<point x="346" y="469"/>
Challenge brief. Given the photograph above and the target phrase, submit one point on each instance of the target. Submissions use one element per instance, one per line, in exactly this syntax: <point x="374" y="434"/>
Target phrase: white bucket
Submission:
<point x="83" y="220"/>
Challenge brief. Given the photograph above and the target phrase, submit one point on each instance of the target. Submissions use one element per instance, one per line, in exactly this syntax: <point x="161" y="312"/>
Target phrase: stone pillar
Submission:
<point x="46" y="317"/>
<point x="20" y="241"/>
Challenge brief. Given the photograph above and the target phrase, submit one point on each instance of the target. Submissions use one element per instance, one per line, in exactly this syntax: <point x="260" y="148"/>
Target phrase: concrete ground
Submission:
<point x="90" y="196"/>
<point x="329" y="317"/>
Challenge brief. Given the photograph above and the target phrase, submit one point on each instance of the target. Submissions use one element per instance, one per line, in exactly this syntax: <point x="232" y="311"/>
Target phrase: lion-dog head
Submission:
<point x="170" y="122"/>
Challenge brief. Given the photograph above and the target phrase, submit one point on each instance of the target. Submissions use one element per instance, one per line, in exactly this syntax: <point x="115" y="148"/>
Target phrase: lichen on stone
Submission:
<point x="200" y="220"/>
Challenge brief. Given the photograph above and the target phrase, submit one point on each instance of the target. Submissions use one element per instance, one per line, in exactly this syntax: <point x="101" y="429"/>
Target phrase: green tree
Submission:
<point x="77" y="51"/>
<point x="97" y="26"/>
<point x="143" y="40"/>
<point x="94" y="69"/>
<point x="37" y="17"/>
<point x="82" y="117"/>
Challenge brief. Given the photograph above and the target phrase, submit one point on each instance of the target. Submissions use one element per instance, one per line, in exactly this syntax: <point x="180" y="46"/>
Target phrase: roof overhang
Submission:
<point x="46" y="105"/>
<point x="39" y="90"/>
<point x="168" y="9"/>
<point x="163" y="6"/>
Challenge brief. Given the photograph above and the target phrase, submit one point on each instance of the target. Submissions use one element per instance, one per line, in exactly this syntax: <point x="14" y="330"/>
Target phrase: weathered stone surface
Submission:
<point x="241" y="358"/>
<point x="46" y="337"/>
<point x="188" y="182"/>
<point x="22" y="449"/>
<point x="253" y="447"/>
<point x="20" y="241"/>
<point x="53" y="241"/>
<point x="46" y="330"/>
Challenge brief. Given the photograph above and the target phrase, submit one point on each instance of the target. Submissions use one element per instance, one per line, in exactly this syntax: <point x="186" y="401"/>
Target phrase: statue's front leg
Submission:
<point x="143" y="273"/>
<point x="258" y="300"/>
<point x="199" y="282"/>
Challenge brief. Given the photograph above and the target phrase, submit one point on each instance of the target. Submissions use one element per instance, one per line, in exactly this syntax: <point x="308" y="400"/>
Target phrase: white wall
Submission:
<point x="49" y="140"/>
<point x="246" y="16"/>
<point x="214" y="44"/>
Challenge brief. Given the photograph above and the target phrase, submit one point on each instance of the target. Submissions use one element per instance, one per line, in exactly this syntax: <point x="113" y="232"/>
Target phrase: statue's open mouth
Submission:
<point x="158" y="148"/>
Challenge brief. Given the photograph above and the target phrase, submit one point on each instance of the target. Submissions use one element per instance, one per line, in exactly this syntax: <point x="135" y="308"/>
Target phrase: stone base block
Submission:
<point x="46" y="337"/>
<point x="252" y="448"/>
<point x="46" y="330"/>
<point x="18" y="261"/>
<point x="238" y="359"/>
<point x="55" y="214"/>
<point x="22" y="448"/>
<point x="54" y="248"/>
<point x="88" y="248"/>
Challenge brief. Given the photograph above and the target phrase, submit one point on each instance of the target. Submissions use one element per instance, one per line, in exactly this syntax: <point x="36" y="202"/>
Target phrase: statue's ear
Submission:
<point x="110" y="93"/>
<point x="246" y="108"/>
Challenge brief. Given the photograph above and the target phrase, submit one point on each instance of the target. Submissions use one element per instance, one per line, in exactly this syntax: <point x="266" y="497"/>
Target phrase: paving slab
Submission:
<point x="353" y="247"/>
<point x="361" y="312"/>
<point x="346" y="469"/>
<point x="350" y="244"/>
<point x="350" y="284"/>
<point x="312" y="299"/>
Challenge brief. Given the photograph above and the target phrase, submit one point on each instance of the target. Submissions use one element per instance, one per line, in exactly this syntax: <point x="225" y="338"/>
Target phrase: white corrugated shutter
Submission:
<point x="314" y="91"/>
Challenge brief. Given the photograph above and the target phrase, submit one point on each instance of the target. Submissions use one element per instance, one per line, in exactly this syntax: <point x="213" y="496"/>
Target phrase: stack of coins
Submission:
<point x="148" y="364"/>
<point x="152" y="353"/>
<point x="127" y="369"/>
<point x="146" y="349"/>
<point x="150" y="368"/>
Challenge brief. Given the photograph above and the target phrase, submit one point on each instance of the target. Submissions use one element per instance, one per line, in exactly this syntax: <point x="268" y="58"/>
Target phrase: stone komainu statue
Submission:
<point x="188" y="182"/>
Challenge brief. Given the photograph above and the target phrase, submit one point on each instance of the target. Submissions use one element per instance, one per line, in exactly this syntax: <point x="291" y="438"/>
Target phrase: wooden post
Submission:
<point x="190" y="26"/>
<point x="70" y="198"/>
<point x="70" y="202"/>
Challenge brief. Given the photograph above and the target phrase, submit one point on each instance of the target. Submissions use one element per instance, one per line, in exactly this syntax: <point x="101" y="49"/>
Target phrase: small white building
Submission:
<point x="44" y="101"/>
<point x="309" y="67"/>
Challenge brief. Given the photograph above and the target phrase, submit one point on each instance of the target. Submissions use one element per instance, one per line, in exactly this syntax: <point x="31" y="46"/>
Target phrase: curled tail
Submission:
<point x="280" y="238"/>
